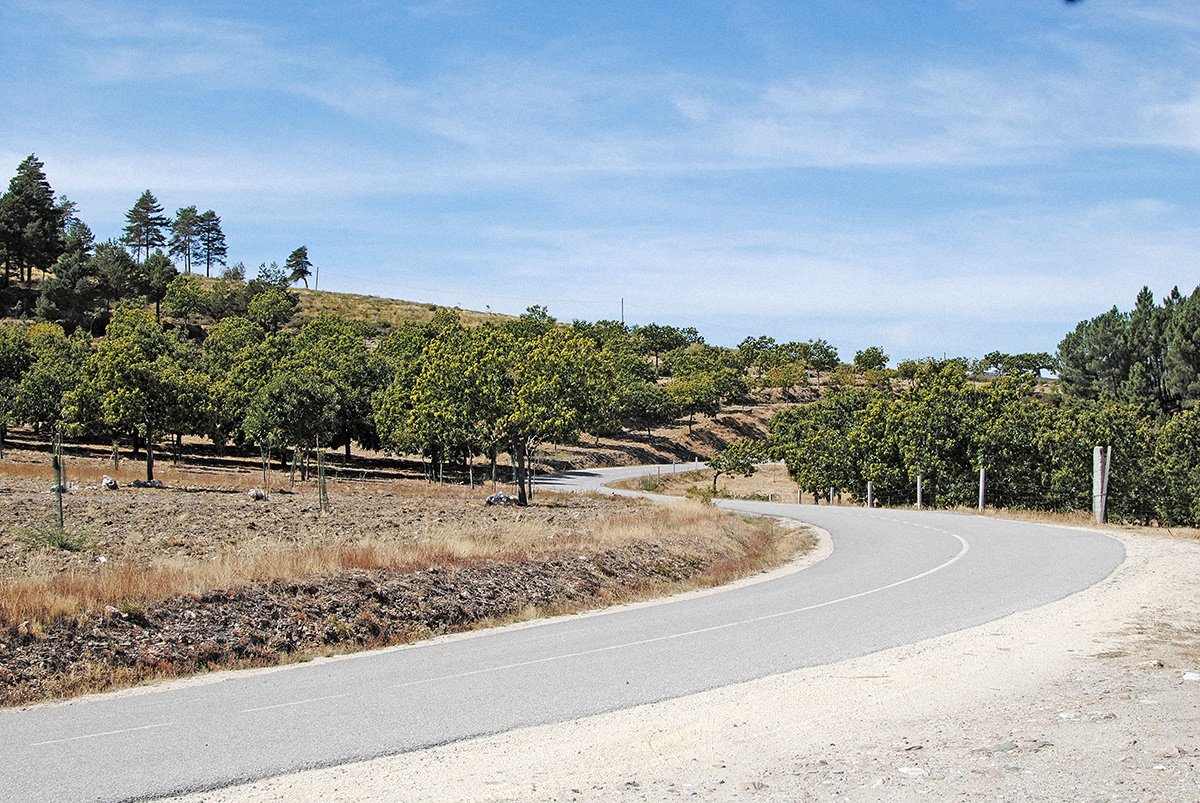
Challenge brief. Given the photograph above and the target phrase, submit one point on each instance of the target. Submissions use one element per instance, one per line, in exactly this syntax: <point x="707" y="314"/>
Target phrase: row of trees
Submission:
<point x="190" y="236"/>
<point x="1037" y="450"/>
<point x="83" y="280"/>
<point x="439" y="389"/>
<point x="1149" y="356"/>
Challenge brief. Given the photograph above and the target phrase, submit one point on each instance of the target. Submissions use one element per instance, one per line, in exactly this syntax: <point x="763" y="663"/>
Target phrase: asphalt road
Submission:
<point x="895" y="577"/>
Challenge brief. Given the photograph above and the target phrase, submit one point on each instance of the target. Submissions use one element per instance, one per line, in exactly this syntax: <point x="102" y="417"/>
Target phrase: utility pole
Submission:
<point x="622" y="312"/>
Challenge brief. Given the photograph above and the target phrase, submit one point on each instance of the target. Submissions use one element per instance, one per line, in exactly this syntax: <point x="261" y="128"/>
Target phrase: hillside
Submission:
<point x="384" y="312"/>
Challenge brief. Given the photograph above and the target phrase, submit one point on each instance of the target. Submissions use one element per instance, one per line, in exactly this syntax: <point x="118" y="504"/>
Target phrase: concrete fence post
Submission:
<point x="918" y="492"/>
<point x="1101" y="466"/>
<point x="982" y="481"/>
<point x="870" y="494"/>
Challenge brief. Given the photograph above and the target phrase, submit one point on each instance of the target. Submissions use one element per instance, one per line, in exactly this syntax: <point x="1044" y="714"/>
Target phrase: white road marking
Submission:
<point x="294" y="702"/>
<point x="97" y="735"/>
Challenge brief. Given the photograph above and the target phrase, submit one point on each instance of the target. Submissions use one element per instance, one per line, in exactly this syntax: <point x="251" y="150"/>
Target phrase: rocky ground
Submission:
<point x="263" y="623"/>
<point x="1092" y="698"/>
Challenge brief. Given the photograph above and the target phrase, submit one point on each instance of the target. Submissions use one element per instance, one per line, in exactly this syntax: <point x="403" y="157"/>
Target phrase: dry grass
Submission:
<point x="769" y="482"/>
<point x="136" y="546"/>
<point x="385" y="312"/>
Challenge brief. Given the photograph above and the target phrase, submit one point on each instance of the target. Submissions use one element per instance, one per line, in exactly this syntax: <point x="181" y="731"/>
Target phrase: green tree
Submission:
<point x="824" y="357"/>
<point x="738" y="458"/>
<point x="74" y="294"/>
<point x="645" y="405"/>
<point x="755" y="352"/>
<point x="272" y="309"/>
<point x="132" y="382"/>
<point x="336" y="350"/>
<point x="696" y="394"/>
<point x="239" y="359"/>
<point x="145" y="223"/>
<point x="293" y="408"/>
<point x="58" y="362"/>
<point x="1183" y="356"/>
<point x="210" y="241"/>
<point x="870" y="359"/>
<point x="229" y="297"/>
<point x="659" y="339"/>
<point x="185" y="236"/>
<point x="16" y="355"/>
<point x="158" y="276"/>
<point x="298" y="267"/>
<point x="32" y="223"/>
<point x="185" y="298"/>
<point x="122" y="279"/>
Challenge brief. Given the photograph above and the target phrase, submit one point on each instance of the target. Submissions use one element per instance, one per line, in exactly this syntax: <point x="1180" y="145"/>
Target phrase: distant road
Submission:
<point x="895" y="577"/>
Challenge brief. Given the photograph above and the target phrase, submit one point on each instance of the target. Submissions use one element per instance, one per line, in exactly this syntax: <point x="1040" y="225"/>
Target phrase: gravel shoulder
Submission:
<point x="1094" y="697"/>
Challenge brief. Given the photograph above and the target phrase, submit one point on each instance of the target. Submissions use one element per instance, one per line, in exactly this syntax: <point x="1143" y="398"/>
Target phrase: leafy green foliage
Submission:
<point x="738" y="458"/>
<point x="272" y="308"/>
<point x="186" y="298"/>
<point x="870" y="359"/>
<point x="57" y="365"/>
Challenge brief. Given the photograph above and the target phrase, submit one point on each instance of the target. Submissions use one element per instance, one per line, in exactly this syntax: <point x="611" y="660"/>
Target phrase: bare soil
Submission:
<point x="147" y="583"/>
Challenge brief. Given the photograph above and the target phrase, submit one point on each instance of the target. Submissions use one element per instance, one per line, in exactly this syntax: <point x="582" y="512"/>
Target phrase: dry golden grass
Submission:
<point x="376" y="310"/>
<point x="770" y="481"/>
<point x="136" y="546"/>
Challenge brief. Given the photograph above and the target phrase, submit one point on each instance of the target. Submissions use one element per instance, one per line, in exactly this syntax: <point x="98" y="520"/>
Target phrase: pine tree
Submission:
<point x="298" y="266"/>
<point x="32" y="223"/>
<point x="144" y="231"/>
<point x="185" y="236"/>
<point x="210" y="247"/>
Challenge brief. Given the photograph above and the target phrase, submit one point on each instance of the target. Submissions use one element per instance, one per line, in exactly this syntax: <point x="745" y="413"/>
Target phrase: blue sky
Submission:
<point x="948" y="176"/>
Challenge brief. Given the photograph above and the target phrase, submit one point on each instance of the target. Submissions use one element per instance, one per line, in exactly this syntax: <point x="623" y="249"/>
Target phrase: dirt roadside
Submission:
<point x="1095" y="697"/>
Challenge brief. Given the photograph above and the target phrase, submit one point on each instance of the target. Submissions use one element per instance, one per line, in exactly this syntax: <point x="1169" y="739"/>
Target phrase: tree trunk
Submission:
<point x="519" y="459"/>
<point x="137" y="443"/>
<point x="3" y="434"/>
<point x="116" y="455"/>
<point x="347" y="451"/>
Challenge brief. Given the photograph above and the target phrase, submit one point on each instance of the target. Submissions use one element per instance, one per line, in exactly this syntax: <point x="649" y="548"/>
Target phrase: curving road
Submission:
<point x="894" y="577"/>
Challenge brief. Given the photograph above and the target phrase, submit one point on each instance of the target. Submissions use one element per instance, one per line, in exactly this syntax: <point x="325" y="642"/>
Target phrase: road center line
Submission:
<point x="965" y="547"/>
<point x="294" y="702"/>
<point x="97" y="735"/>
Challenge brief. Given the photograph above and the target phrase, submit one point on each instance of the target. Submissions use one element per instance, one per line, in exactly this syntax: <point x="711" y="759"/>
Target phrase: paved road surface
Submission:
<point x="895" y="577"/>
